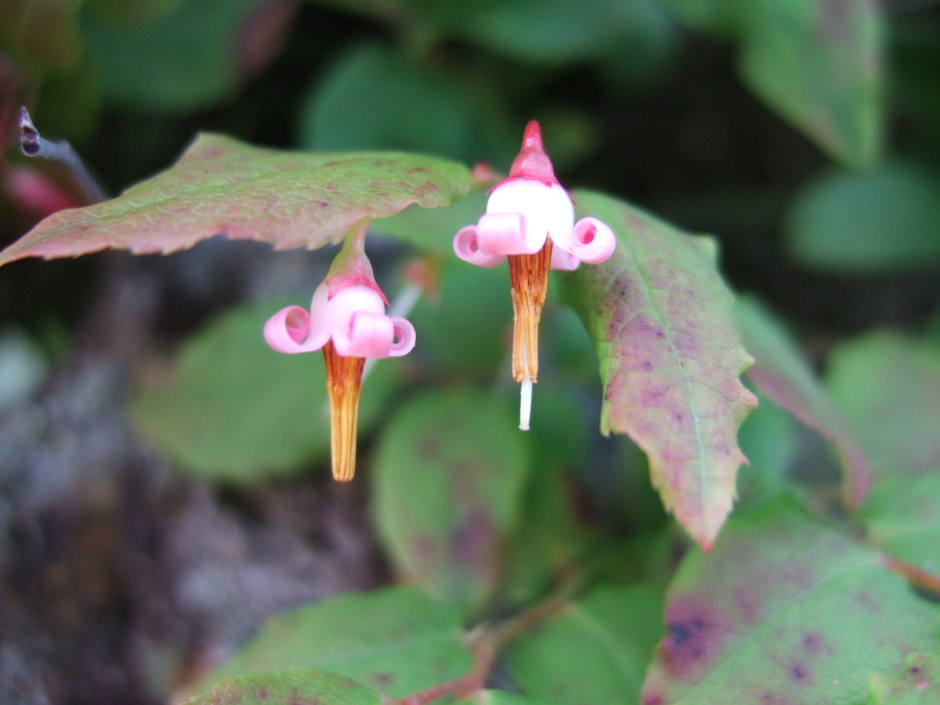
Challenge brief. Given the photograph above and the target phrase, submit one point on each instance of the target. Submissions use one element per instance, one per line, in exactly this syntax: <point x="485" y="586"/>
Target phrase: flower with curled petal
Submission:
<point x="347" y="314"/>
<point x="529" y="221"/>
<point x="347" y="321"/>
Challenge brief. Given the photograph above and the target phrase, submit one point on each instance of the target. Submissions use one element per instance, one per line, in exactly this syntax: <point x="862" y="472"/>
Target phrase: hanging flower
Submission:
<point x="529" y="221"/>
<point x="347" y="321"/>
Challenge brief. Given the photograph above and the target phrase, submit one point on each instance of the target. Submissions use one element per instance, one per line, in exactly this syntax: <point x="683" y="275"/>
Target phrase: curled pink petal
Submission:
<point x="467" y="248"/>
<point x="564" y="260"/>
<point x="367" y="335"/>
<point x="591" y="241"/>
<point x="290" y="331"/>
<point x="506" y="234"/>
<point x="404" y="337"/>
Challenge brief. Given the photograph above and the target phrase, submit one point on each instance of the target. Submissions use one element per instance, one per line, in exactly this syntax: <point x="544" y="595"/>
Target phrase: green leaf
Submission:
<point x="448" y="476"/>
<point x="133" y="12"/>
<point x="237" y="411"/>
<point x="300" y="686"/>
<point x="879" y="221"/>
<point x="782" y="373"/>
<point x="433" y="229"/>
<point x="558" y="30"/>
<point x="548" y="537"/>
<point x="395" y="640"/>
<point x="819" y="64"/>
<point x="663" y="324"/>
<point x="192" y="56"/>
<point x="902" y="518"/>
<point x="596" y="651"/>
<point x="769" y="440"/>
<point x="785" y="609"/>
<point x="373" y="98"/>
<point x="463" y="327"/>
<point x="718" y="16"/>
<point x="888" y="389"/>
<point x="915" y="682"/>
<point x="223" y="187"/>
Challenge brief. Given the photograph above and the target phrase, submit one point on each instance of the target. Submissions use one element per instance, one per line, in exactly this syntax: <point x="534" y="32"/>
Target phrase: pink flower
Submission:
<point x="529" y="221"/>
<point x="352" y="316"/>
<point x="529" y="208"/>
<point x="347" y="321"/>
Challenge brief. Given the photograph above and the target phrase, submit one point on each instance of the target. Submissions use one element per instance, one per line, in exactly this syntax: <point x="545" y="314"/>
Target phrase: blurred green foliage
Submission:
<point x="805" y="134"/>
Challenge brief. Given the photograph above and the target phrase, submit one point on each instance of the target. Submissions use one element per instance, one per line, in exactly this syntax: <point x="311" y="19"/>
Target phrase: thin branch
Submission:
<point x="34" y="145"/>
<point x="919" y="578"/>
<point x="486" y="643"/>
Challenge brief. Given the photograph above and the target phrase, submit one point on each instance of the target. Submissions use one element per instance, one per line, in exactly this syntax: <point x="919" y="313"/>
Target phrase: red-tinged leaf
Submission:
<point x="785" y="610"/>
<point x="781" y="372"/>
<point x="670" y="359"/>
<point x="223" y="187"/>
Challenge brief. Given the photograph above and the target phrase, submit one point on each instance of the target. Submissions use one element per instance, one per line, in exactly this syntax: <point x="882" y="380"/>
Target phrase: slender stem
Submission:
<point x="33" y="144"/>
<point x="486" y="643"/>
<point x="919" y="578"/>
<point x="351" y="262"/>
<point x="356" y="239"/>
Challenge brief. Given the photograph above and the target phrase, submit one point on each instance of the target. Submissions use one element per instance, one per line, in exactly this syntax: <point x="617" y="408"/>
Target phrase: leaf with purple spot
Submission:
<point x="785" y="610"/>
<point x="663" y="323"/>
<point x="221" y="186"/>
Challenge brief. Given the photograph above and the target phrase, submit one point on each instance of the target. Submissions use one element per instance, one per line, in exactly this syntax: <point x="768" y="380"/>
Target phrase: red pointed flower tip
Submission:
<point x="347" y="321"/>
<point x="525" y="210"/>
<point x="532" y="162"/>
